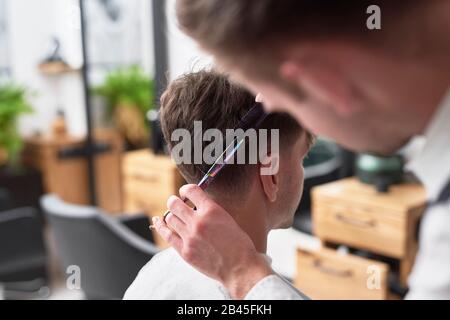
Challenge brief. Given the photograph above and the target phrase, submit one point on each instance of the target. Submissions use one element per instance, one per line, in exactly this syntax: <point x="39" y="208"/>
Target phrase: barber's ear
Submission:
<point x="321" y="81"/>
<point x="269" y="177"/>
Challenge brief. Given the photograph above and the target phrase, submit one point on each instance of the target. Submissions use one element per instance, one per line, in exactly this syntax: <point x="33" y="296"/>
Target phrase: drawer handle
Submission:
<point x="334" y="272"/>
<point x="356" y="222"/>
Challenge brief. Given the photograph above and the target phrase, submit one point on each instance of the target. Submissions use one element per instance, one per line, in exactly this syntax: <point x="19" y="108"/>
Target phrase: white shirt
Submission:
<point x="168" y="276"/>
<point x="430" y="277"/>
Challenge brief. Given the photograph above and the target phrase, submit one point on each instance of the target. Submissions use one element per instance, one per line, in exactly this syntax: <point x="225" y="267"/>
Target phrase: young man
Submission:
<point x="257" y="201"/>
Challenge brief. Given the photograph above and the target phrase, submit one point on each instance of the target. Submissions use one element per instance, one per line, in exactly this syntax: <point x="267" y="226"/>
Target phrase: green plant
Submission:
<point x="13" y="103"/>
<point x="129" y="94"/>
<point x="128" y="86"/>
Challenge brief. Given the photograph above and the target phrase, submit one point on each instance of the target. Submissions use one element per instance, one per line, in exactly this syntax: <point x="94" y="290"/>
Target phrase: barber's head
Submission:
<point x="211" y="98"/>
<point x="367" y="89"/>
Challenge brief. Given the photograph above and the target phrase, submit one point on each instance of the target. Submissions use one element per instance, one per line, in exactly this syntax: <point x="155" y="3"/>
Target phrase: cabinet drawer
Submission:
<point x="325" y="274"/>
<point x="377" y="230"/>
<point x="147" y="175"/>
<point x="150" y="194"/>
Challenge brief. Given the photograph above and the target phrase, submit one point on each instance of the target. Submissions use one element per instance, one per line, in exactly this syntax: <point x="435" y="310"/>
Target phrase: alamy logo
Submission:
<point x="373" y="22"/>
<point x="73" y="281"/>
<point x="236" y="147"/>
<point x="374" y="277"/>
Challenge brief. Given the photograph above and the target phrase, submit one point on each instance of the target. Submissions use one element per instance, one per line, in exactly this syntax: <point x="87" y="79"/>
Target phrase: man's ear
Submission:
<point x="270" y="179"/>
<point x="321" y="81"/>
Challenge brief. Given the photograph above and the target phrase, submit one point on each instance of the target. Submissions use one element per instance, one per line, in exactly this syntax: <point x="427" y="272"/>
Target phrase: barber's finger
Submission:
<point x="179" y="208"/>
<point x="168" y="235"/>
<point x="195" y="194"/>
<point x="174" y="223"/>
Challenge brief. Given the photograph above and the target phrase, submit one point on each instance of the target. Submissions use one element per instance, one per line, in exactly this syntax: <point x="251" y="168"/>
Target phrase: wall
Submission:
<point x="30" y="26"/>
<point x="184" y="54"/>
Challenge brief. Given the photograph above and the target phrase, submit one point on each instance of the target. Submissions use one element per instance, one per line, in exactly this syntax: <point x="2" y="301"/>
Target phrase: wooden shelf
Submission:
<point x="68" y="177"/>
<point x="56" y="68"/>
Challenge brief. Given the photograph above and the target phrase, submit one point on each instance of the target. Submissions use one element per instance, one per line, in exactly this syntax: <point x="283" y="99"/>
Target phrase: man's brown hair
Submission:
<point x="212" y="98"/>
<point x="245" y="31"/>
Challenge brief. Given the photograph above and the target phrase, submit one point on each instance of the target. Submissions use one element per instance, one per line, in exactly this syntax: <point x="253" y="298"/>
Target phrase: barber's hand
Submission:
<point x="211" y="241"/>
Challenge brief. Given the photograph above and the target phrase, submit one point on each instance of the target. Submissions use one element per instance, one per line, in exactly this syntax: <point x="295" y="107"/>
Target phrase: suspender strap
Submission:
<point x="444" y="196"/>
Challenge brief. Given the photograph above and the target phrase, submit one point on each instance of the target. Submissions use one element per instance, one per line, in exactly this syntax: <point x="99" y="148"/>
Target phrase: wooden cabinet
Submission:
<point x="149" y="180"/>
<point x="325" y="274"/>
<point x="383" y="232"/>
<point x="68" y="176"/>
<point x="355" y="214"/>
<point x="348" y="212"/>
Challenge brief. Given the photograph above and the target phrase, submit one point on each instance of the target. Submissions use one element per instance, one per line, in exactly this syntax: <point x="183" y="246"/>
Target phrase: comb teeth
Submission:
<point x="253" y="117"/>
